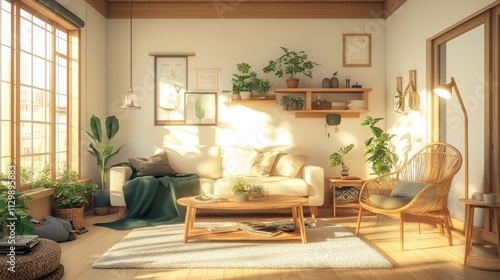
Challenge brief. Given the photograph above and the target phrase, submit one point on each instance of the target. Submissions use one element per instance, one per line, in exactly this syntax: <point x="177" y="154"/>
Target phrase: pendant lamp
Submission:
<point x="131" y="101"/>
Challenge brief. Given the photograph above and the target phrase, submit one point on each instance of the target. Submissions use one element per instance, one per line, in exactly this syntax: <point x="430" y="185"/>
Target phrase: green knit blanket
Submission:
<point x="153" y="201"/>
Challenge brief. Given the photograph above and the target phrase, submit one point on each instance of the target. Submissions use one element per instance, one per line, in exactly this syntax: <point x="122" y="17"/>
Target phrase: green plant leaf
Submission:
<point x="95" y="125"/>
<point x="200" y="106"/>
<point x="112" y="126"/>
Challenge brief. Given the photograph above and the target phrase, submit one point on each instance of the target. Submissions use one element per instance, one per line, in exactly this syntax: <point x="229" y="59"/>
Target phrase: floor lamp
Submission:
<point x="445" y="91"/>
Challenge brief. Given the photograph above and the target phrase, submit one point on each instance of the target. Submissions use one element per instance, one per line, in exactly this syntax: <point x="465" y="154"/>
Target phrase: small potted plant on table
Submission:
<point x="338" y="159"/>
<point x="240" y="190"/>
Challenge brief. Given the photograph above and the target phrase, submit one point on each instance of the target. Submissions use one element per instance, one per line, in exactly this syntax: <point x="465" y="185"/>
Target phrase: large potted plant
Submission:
<point x="338" y="159"/>
<point x="70" y="195"/>
<point x="377" y="147"/>
<point x="242" y="80"/>
<point x="14" y="215"/>
<point x="103" y="151"/>
<point x="290" y="64"/>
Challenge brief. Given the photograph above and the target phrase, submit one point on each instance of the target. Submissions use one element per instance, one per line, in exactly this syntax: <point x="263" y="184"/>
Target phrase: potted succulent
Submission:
<point x="242" y="80"/>
<point x="19" y="217"/>
<point x="70" y="195"/>
<point x="290" y="64"/>
<point x="380" y="157"/>
<point x="256" y="190"/>
<point x="338" y="159"/>
<point x="103" y="151"/>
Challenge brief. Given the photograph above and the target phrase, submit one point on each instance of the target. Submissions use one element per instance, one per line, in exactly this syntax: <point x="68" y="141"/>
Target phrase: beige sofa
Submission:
<point x="219" y="166"/>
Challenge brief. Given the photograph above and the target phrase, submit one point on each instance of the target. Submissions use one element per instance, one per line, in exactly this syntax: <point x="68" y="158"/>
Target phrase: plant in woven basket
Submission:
<point x="13" y="217"/>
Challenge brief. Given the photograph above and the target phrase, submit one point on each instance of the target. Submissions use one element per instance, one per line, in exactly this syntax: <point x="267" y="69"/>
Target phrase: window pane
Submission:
<point x="61" y="138"/>
<point x="5" y="64"/>
<point x="62" y="80"/>
<point x="5" y="136"/>
<point x="61" y="162"/>
<point x="39" y="106"/>
<point x="26" y="35"/>
<point x="5" y="105"/>
<point x="26" y="104"/>
<point x="6" y="27"/>
<point x="25" y="68"/>
<point x="39" y="72"/>
<point x="26" y="135"/>
<point x="39" y="163"/>
<point x="40" y="138"/>
<point x="39" y="41"/>
<point x="26" y="170"/>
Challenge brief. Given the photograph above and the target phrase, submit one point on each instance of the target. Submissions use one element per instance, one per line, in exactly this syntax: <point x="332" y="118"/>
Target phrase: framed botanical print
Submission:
<point x="357" y="50"/>
<point x="171" y="82"/>
<point x="201" y="108"/>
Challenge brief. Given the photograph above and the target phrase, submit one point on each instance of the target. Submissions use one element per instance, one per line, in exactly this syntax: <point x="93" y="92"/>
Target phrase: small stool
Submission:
<point x="42" y="262"/>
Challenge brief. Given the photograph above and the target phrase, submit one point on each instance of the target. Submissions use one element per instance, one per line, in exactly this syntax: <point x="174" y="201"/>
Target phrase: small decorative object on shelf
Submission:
<point x="334" y="81"/>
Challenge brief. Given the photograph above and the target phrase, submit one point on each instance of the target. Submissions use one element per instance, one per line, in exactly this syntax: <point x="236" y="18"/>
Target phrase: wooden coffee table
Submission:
<point x="273" y="202"/>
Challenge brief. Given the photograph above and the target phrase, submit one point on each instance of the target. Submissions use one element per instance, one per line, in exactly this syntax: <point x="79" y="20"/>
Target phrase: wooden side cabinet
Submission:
<point x="338" y="183"/>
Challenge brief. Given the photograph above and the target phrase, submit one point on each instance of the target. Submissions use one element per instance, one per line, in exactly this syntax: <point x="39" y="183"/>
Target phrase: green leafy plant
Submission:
<point x="104" y="151"/>
<point x="255" y="188"/>
<point x="261" y="86"/>
<point x="13" y="211"/>
<point x="290" y="64"/>
<point x="242" y="80"/>
<point x="338" y="157"/>
<point x="240" y="187"/>
<point x="70" y="192"/>
<point x="380" y="157"/>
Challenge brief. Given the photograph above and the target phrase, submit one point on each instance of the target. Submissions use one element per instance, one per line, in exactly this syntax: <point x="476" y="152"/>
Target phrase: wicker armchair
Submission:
<point x="432" y="168"/>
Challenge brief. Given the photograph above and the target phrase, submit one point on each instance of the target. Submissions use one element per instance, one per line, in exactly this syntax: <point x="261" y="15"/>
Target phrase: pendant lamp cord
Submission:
<point x="130" y="44"/>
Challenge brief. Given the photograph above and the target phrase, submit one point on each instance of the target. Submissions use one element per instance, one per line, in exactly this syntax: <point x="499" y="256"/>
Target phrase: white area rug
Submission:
<point x="331" y="246"/>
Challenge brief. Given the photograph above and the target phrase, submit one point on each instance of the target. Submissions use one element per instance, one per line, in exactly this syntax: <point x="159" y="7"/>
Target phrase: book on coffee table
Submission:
<point x="208" y="198"/>
<point x="225" y="227"/>
<point x="259" y="228"/>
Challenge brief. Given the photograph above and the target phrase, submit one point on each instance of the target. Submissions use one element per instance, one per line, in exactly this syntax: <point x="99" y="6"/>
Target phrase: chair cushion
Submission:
<point x="388" y="202"/>
<point x="407" y="189"/>
<point x="156" y="165"/>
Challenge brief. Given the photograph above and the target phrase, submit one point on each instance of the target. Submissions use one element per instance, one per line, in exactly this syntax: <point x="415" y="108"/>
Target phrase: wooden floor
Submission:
<point x="427" y="255"/>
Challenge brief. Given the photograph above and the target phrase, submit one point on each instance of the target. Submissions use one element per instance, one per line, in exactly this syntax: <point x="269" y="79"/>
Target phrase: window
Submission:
<point x="36" y="114"/>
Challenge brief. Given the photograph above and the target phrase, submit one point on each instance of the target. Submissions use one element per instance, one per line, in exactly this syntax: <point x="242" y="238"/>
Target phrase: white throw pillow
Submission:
<point x="288" y="165"/>
<point x="260" y="164"/>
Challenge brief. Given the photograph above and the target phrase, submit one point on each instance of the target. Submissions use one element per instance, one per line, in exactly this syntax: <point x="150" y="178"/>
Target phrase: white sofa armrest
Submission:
<point x="315" y="177"/>
<point x="118" y="176"/>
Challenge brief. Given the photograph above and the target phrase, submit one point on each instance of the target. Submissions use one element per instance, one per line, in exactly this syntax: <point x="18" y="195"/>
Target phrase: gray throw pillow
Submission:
<point x="388" y="202"/>
<point x="407" y="189"/>
<point x="156" y="165"/>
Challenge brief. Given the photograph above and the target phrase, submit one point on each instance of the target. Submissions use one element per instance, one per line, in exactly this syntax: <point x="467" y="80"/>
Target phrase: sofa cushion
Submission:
<point x="260" y="164"/>
<point x="204" y="160"/>
<point x="272" y="184"/>
<point x="156" y="165"/>
<point x="234" y="157"/>
<point x="288" y="165"/>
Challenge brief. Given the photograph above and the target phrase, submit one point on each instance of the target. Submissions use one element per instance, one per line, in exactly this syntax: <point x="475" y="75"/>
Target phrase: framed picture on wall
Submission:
<point x="170" y="87"/>
<point x="201" y="108"/>
<point x="357" y="50"/>
<point x="206" y="79"/>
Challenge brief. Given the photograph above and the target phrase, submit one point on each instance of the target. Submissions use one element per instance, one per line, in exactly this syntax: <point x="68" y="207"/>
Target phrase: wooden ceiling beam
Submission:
<point x="245" y="10"/>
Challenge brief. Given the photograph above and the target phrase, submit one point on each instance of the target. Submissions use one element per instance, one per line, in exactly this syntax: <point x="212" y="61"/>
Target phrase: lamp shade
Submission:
<point x="131" y="101"/>
<point x="444" y="91"/>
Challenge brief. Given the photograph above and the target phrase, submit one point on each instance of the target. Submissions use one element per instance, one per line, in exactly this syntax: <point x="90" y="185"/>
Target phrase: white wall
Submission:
<point x="407" y="32"/>
<point x="222" y="44"/>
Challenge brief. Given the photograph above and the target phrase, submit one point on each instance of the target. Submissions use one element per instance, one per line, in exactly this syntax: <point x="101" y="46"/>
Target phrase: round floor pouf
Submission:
<point x="42" y="262"/>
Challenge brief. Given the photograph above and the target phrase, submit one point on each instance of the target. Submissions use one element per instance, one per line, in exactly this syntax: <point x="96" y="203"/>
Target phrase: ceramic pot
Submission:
<point x="292" y="82"/>
<point x="334" y="81"/>
<point x="245" y="95"/>
<point x="326" y="83"/>
<point x="344" y="172"/>
<point x="242" y="196"/>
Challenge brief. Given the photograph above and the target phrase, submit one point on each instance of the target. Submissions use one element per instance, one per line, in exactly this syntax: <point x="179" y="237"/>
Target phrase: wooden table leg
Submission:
<point x="469" y="222"/>
<point x="334" y="197"/>
<point x="188" y="223"/>
<point x="294" y="216"/>
<point x="302" y="225"/>
<point x="497" y="217"/>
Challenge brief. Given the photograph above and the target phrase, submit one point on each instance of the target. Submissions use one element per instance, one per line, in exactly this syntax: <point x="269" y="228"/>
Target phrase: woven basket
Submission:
<point x="102" y="211"/>
<point x="75" y="215"/>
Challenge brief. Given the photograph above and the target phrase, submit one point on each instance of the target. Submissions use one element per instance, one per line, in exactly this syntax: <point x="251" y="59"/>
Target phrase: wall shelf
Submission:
<point x="331" y="94"/>
<point x="255" y="101"/>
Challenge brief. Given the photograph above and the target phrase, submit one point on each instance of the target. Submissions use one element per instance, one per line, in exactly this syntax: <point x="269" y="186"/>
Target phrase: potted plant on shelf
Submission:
<point x="338" y="159"/>
<point x="17" y="217"/>
<point x="261" y="86"/>
<point x="380" y="156"/>
<point x="70" y="195"/>
<point x="242" y="80"/>
<point x="320" y="103"/>
<point x="103" y="151"/>
<point x="291" y="63"/>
